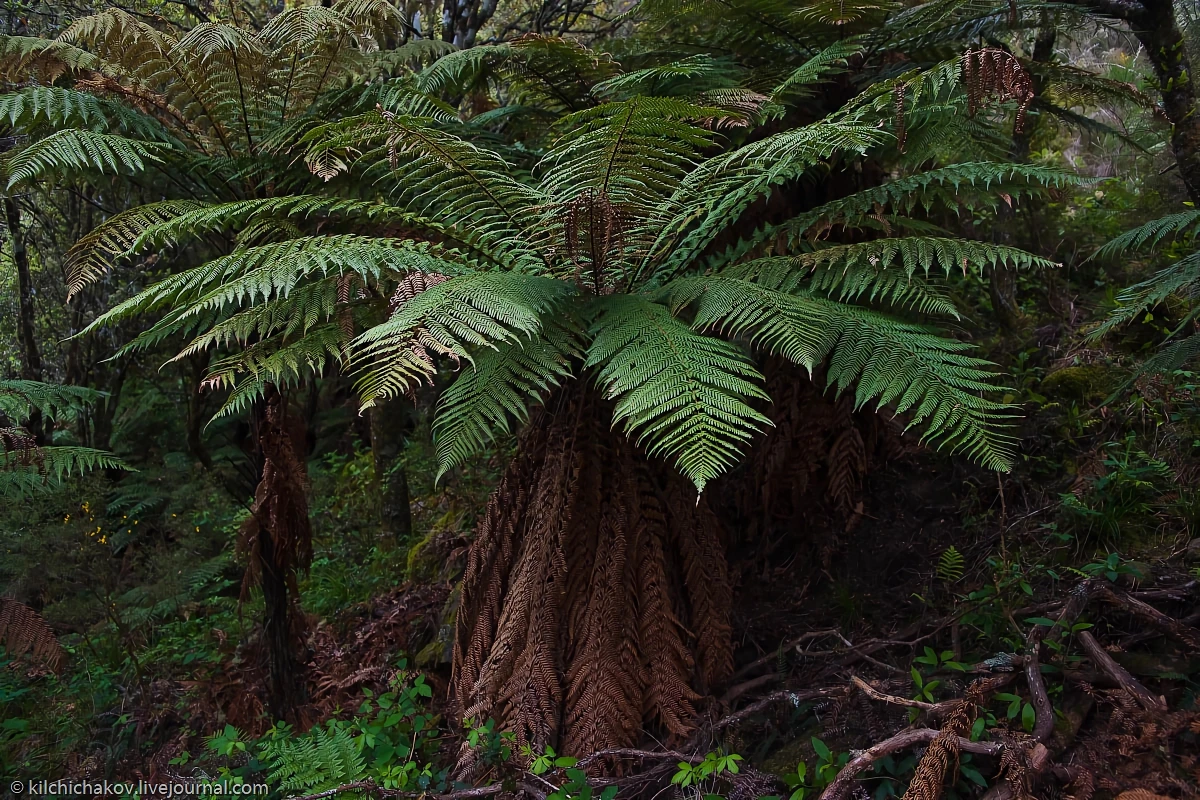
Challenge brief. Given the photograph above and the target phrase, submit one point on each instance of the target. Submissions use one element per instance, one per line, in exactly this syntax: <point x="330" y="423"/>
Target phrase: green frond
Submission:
<point x="483" y="310"/>
<point x="71" y="151"/>
<point x="887" y="361"/>
<point x="18" y="399"/>
<point x="274" y="270"/>
<point x="1185" y="224"/>
<point x="90" y="258"/>
<point x="714" y="196"/>
<point x="688" y="77"/>
<point x="883" y="270"/>
<point x="22" y="57"/>
<point x="37" y="108"/>
<point x="823" y="65"/>
<point x="277" y="361"/>
<point x="441" y="177"/>
<point x="298" y="312"/>
<point x="201" y="219"/>
<point x="1179" y="278"/>
<point x="969" y="185"/>
<point x="680" y="392"/>
<point x="24" y="473"/>
<point x="497" y="388"/>
<point x="634" y="151"/>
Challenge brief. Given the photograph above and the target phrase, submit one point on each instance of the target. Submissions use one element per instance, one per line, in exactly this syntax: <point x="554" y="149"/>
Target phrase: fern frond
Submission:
<point x="883" y="270"/>
<point x="441" y="177"/>
<point x="827" y="63"/>
<point x="713" y="196"/>
<point x="480" y="310"/>
<point x="90" y="258"/>
<point x="37" y="108"/>
<point x="635" y="151"/>
<point x="18" y="398"/>
<point x="680" y="392"/>
<point x="888" y="361"/>
<point x="26" y="473"/>
<point x="1180" y="278"/>
<point x="274" y="270"/>
<point x="1184" y="223"/>
<point x="277" y="362"/>
<point x="969" y="185"/>
<point x="688" y="77"/>
<point x="72" y="151"/>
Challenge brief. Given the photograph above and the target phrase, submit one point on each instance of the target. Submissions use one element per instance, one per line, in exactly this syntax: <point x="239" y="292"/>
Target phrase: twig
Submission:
<point x="737" y="691"/>
<point x="758" y="662"/>
<point x="625" y="752"/>
<point x="1105" y="663"/>
<point x="875" y="694"/>
<point x="371" y="787"/>
<point x="795" y="698"/>
<point x="863" y="759"/>
<point x="1158" y="619"/>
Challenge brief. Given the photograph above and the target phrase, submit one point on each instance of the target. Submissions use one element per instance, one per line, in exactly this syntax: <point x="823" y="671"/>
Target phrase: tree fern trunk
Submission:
<point x="596" y="599"/>
<point x="389" y="427"/>
<point x="278" y="542"/>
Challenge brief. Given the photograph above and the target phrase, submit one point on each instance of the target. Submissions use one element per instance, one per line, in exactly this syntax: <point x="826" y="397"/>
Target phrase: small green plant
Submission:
<point x="1018" y="707"/>
<point x="806" y="784"/>
<point x="943" y="660"/>
<point x="950" y="565"/>
<point x="575" y="786"/>
<point x="924" y="693"/>
<point x="712" y="766"/>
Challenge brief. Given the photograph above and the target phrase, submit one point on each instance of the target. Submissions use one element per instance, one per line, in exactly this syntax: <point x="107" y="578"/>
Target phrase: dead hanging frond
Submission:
<point x="995" y="73"/>
<point x="593" y="226"/>
<point x="280" y="509"/>
<point x="422" y="346"/>
<point x="20" y="448"/>
<point x="22" y="630"/>
<point x="901" y="122"/>
<point x="594" y="593"/>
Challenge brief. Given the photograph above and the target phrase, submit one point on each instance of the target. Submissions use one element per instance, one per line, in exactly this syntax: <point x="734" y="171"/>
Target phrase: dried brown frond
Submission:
<point x="901" y="122"/>
<point x="591" y="592"/>
<point x="929" y="780"/>
<point x="992" y="72"/>
<point x="22" y="630"/>
<point x="593" y="227"/>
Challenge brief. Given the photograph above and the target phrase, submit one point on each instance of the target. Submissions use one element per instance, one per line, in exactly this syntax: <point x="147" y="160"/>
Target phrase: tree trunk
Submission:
<point x="31" y="360"/>
<point x="1155" y="25"/>
<point x="278" y="541"/>
<point x="462" y="19"/>
<point x="389" y="425"/>
<point x="194" y="377"/>
<point x="1003" y="280"/>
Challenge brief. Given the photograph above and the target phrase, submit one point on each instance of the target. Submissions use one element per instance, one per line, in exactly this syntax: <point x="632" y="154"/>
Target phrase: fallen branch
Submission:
<point x="1152" y="615"/>
<point x="1105" y="663"/>
<point x="862" y="760"/>
<point x="875" y="694"/>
